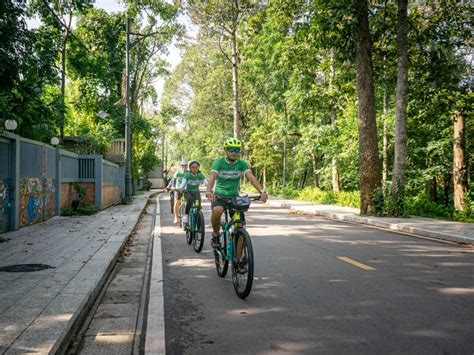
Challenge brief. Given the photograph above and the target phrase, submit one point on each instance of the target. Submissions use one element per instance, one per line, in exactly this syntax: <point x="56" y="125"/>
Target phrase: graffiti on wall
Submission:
<point x="4" y="206"/>
<point x="36" y="200"/>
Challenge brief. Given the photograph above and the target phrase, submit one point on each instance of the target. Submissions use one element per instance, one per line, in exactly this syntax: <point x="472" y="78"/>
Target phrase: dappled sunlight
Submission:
<point x="292" y="347"/>
<point x="427" y="333"/>
<point x="256" y="311"/>
<point x="113" y="338"/>
<point x="457" y="291"/>
<point x="205" y="263"/>
<point x="455" y="264"/>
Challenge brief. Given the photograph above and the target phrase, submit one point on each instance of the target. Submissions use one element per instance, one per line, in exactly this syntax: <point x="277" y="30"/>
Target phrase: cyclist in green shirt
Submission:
<point x="225" y="175"/>
<point x="190" y="185"/>
<point x="176" y="181"/>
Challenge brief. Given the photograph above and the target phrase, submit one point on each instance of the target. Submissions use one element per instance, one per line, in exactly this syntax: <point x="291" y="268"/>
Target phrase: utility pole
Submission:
<point x="128" y="140"/>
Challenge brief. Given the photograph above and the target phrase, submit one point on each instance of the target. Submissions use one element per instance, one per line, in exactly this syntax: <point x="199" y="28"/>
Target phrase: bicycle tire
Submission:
<point x="222" y="264"/>
<point x="242" y="276"/>
<point x="172" y="201"/>
<point x="180" y="215"/>
<point x="198" y="233"/>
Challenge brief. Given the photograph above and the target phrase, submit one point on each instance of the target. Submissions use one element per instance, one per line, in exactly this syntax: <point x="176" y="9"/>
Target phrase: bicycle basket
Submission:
<point x="240" y="203"/>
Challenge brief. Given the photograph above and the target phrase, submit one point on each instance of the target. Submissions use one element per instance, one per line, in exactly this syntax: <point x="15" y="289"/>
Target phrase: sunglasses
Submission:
<point x="233" y="150"/>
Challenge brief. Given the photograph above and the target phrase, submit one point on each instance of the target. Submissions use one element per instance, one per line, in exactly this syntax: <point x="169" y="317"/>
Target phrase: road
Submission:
<point x="320" y="286"/>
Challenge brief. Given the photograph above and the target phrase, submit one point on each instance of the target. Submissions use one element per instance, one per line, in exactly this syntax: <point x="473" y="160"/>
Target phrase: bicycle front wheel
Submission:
<point x="242" y="264"/>
<point x="198" y="240"/>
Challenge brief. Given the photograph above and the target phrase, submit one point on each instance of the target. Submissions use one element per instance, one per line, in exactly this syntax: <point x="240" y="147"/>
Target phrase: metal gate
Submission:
<point x="6" y="185"/>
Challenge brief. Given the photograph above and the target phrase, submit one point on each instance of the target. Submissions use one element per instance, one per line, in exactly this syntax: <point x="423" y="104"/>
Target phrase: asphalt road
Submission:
<point x="320" y="287"/>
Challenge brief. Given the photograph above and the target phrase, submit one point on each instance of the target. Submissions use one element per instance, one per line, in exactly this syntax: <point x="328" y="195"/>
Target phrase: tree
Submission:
<point x="27" y="72"/>
<point x="459" y="161"/>
<point x="59" y="14"/>
<point x="369" y="169"/>
<point x="399" y="166"/>
<point x="222" y="18"/>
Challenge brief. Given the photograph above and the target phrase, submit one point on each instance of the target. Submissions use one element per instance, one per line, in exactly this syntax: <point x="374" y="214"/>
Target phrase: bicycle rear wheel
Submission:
<point x="198" y="237"/>
<point x="219" y="254"/>
<point x="242" y="269"/>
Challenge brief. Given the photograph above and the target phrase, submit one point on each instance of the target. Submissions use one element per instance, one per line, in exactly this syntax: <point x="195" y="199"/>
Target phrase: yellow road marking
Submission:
<point x="356" y="263"/>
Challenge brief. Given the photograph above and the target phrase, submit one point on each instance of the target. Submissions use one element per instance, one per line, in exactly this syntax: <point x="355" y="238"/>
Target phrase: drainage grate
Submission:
<point x="25" y="267"/>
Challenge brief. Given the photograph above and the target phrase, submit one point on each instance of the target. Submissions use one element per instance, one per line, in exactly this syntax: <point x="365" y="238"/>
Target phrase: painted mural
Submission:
<point x="36" y="200"/>
<point x="4" y="206"/>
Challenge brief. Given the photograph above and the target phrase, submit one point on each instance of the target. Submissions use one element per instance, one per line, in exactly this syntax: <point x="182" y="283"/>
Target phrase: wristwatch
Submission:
<point x="262" y="191"/>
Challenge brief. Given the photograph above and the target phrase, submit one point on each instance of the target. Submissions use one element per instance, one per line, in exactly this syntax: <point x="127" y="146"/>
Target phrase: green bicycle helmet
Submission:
<point x="232" y="143"/>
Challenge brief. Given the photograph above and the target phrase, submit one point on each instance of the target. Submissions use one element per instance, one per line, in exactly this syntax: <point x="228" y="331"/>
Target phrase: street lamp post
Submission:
<point x="128" y="140"/>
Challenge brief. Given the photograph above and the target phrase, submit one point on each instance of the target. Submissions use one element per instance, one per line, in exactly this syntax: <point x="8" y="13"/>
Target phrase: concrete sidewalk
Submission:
<point x="40" y="310"/>
<point x="420" y="226"/>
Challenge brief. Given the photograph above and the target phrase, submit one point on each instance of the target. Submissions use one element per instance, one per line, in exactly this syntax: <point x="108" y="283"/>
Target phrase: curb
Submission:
<point x="155" y="332"/>
<point x="51" y="331"/>
<point x="83" y="311"/>
<point x="393" y="227"/>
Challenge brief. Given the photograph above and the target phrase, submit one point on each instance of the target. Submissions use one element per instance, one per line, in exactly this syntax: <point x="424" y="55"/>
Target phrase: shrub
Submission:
<point x="146" y="185"/>
<point x="82" y="210"/>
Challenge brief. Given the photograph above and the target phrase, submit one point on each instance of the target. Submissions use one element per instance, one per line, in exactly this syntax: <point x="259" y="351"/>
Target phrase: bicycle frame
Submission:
<point x="193" y="212"/>
<point x="228" y="230"/>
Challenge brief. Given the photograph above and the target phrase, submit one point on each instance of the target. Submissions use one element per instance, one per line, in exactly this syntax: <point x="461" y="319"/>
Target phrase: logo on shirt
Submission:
<point x="229" y="174"/>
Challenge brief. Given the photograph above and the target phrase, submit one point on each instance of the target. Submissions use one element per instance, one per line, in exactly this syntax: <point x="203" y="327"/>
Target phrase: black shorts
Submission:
<point x="177" y="195"/>
<point x="220" y="200"/>
<point x="225" y="201"/>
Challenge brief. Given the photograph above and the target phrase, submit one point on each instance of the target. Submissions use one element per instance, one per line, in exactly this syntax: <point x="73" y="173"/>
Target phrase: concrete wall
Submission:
<point x="111" y="195"/>
<point x="37" y="180"/>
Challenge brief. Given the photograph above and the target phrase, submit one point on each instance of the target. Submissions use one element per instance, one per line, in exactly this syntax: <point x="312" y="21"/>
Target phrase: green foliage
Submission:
<point x="80" y="211"/>
<point x="80" y="191"/>
<point x="387" y="205"/>
<point x="146" y="185"/>
<point x="422" y="206"/>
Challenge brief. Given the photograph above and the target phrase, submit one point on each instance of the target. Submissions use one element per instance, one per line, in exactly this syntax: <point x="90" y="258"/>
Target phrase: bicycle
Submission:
<point x="232" y="235"/>
<point x="181" y="210"/>
<point x="196" y="228"/>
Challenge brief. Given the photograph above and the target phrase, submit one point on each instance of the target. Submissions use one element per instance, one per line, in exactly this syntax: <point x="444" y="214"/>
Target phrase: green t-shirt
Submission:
<point x="228" y="176"/>
<point x="178" y="176"/>
<point x="193" y="181"/>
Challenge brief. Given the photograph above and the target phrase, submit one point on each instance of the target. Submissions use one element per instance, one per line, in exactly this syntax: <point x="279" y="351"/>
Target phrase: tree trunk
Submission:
<point x="264" y="176"/>
<point x="385" y="139"/>
<point x="369" y="169"/>
<point x="315" y="174"/>
<point x="399" y="164"/>
<point x="335" y="172"/>
<point x="431" y="189"/>
<point x="459" y="161"/>
<point x="284" y="162"/>
<point x="235" y="86"/>
<point x="63" y="88"/>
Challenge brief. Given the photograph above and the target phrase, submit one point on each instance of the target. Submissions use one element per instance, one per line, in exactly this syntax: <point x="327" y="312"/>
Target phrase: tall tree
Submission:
<point x="400" y="134"/>
<point x="369" y="169"/>
<point x="222" y="18"/>
<point x="459" y="161"/>
<point x="59" y="14"/>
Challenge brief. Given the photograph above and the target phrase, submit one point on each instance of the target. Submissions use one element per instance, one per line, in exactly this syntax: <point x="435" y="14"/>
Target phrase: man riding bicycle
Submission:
<point x="190" y="185"/>
<point x="176" y="181"/>
<point x="225" y="175"/>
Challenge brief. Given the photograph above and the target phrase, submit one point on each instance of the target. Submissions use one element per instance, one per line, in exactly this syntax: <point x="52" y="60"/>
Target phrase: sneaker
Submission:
<point x="175" y="221"/>
<point x="215" y="243"/>
<point x="185" y="219"/>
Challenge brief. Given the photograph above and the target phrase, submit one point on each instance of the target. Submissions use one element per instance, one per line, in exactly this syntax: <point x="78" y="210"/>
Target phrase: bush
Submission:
<point x="422" y="206"/>
<point x="146" y="185"/>
<point x="81" y="211"/>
